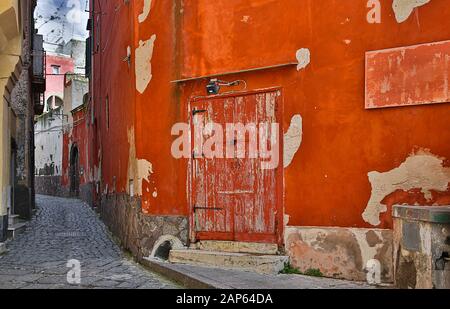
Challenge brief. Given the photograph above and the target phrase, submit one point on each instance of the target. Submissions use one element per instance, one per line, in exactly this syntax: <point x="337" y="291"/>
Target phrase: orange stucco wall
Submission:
<point x="327" y="183"/>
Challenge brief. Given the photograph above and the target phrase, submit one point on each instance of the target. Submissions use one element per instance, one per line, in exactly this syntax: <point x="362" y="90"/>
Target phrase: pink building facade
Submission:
<point x="57" y="65"/>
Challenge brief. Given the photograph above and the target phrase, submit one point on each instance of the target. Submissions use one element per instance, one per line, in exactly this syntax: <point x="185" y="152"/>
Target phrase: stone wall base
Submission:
<point x="136" y="231"/>
<point x="343" y="253"/>
<point x="50" y="185"/>
<point x="86" y="194"/>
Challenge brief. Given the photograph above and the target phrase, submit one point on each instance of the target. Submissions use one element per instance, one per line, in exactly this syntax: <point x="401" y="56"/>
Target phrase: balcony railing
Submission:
<point x="38" y="74"/>
<point x="38" y="58"/>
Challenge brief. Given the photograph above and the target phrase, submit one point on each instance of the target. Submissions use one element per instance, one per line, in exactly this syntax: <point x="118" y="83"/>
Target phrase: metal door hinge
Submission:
<point x="198" y="111"/>
<point x="207" y="208"/>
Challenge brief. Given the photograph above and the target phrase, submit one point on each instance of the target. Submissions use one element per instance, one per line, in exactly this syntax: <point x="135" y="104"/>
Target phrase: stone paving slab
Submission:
<point x="66" y="229"/>
<point x="217" y="278"/>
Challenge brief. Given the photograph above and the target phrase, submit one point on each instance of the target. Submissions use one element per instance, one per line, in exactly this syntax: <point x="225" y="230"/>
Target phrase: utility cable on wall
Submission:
<point x="116" y="10"/>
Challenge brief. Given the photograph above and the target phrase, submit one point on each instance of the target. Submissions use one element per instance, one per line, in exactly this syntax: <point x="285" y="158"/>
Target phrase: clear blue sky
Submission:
<point x="61" y="20"/>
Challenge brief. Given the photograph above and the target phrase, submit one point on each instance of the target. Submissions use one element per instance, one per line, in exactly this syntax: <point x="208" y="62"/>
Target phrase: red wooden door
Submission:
<point x="234" y="197"/>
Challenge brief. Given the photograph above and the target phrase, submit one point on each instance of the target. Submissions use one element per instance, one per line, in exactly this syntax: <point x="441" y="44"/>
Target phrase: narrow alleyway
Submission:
<point x="62" y="230"/>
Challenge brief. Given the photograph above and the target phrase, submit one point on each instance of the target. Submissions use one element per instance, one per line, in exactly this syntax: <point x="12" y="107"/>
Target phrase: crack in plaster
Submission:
<point x="423" y="171"/>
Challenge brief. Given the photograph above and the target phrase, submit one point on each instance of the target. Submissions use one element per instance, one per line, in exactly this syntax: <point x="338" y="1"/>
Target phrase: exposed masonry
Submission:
<point x="137" y="231"/>
<point x="423" y="171"/>
<point x="147" y="7"/>
<point x="340" y="252"/>
<point x="404" y="8"/>
<point x="293" y="139"/>
<point x="143" y="67"/>
<point x="303" y="56"/>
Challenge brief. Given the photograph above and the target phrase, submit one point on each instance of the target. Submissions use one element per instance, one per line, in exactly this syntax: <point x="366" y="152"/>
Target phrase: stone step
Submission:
<point x="263" y="264"/>
<point x="14" y="219"/>
<point x="16" y="229"/>
<point x="237" y="247"/>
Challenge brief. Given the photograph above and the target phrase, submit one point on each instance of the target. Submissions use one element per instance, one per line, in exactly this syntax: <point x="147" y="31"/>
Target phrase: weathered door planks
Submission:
<point x="236" y="199"/>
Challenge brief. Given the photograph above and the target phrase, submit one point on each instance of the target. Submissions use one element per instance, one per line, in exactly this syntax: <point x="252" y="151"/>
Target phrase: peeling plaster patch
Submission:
<point x="404" y="8"/>
<point x="144" y="54"/>
<point x="303" y="57"/>
<point x="155" y="193"/>
<point x="368" y="252"/>
<point x="347" y="42"/>
<point x="346" y="21"/>
<point x="385" y="85"/>
<point x="138" y="170"/>
<point x="145" y="170"/>
<point x="293" y="139"/>
<point x="147" y="6"/>
<point x="341" y="253"/>
<point x="287" y="218"/>
<point x="420" y="171"/>
<point x="245" y="19"/>
<point x="132" y="162"/>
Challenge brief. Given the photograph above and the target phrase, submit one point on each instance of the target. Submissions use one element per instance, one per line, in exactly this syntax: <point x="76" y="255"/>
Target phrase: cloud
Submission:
<point x="61" y="20"/>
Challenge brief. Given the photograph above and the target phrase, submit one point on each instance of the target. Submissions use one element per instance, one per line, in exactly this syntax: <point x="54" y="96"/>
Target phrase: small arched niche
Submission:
<point x="163" y="245"/>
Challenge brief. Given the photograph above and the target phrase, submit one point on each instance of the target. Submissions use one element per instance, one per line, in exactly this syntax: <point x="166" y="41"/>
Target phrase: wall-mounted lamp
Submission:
<point x="215" y="84"/>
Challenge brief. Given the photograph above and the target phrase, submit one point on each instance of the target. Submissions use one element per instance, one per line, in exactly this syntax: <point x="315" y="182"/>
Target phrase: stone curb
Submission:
<point x="187" y="280"/>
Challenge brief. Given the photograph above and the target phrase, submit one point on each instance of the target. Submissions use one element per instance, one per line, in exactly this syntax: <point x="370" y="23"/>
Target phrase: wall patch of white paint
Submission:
<point x="404" y="8"/>
<point x="303" y="56"/>
<point x="293" y="139"/>
<point x="423" y="171"/>
<point x="146" y="11"/>
<point x="144" y="54"/>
